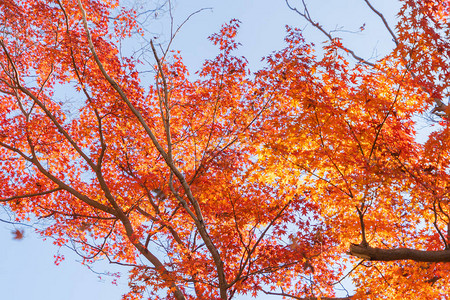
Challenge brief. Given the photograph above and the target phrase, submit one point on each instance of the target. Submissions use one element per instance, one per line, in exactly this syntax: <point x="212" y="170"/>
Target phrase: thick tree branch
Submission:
<point x="199" y="222"/>
<point x="379" y="254"/>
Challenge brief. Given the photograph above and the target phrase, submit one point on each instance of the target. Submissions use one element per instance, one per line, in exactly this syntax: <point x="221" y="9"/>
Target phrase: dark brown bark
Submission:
<point x="379" y="254"/>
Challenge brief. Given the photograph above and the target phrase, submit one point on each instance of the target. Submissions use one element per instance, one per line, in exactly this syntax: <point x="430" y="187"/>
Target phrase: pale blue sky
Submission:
<point x="27" y="271"/>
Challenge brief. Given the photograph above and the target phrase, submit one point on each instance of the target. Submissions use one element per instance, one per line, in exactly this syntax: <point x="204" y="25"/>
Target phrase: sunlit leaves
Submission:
<point x="247" y="181"/>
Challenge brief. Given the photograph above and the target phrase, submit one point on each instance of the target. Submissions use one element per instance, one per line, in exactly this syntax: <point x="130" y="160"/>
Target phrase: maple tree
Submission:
<point x="231" y="182"/>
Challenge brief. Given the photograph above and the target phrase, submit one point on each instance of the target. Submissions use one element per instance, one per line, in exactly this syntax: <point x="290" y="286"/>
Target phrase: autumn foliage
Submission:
<point x="231" y="182"/>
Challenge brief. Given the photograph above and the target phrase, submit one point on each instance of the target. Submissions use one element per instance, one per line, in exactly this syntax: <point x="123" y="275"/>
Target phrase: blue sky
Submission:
<point x="27" y="269"/>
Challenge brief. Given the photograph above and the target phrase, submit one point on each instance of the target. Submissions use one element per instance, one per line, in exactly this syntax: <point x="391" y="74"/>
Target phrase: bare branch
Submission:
<point x="394" y="37"/>
<point x="304" y="298"/>
<point x="305" y="14"/>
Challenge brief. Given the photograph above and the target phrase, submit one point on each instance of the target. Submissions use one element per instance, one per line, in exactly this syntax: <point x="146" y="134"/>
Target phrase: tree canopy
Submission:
<point x="230" y="181"/>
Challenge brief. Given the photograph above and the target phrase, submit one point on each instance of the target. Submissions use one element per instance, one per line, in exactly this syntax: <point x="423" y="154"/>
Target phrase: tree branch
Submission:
<point x="308" y="18"/>
<point x="379" y="254"/>
<point x="394" y="37"/>
<point x="31" y="195"/>
<point x="304" y="298"/>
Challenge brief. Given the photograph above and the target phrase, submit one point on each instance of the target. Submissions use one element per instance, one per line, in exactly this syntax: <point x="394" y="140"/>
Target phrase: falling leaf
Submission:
<point x="18" y="234"/>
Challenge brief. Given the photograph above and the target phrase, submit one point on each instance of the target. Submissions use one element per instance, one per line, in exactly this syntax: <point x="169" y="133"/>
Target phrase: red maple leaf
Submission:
<point x="17" y="234"/>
